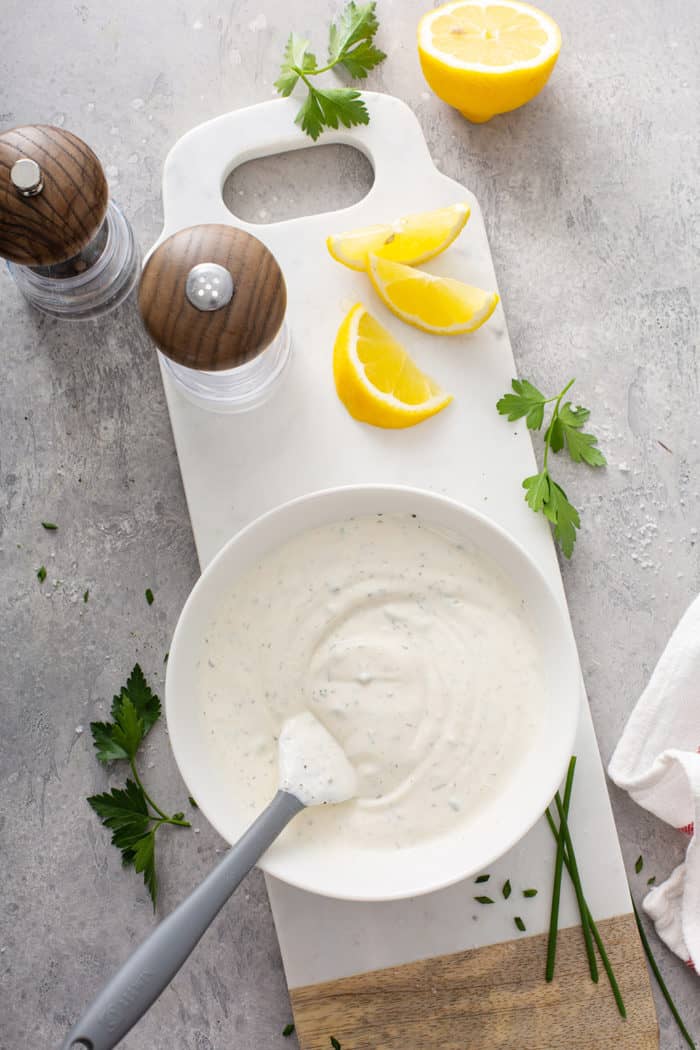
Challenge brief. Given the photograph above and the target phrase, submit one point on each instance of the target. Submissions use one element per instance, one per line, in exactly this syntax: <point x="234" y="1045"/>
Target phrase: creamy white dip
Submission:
<point x="413" y="651"/>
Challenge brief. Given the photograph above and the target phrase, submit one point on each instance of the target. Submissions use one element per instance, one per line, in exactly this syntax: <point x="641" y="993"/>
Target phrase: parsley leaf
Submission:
<point x="526" y="401"/>
<point x="582" y="447"/>
<point x="41" y="573"/>
<point x="143" y="698"/>
<point x="335" y="1044"/>
<point x="297" y="60"/>
<point x="149" y="595"/>
<point x="564" y="430"/>
<point x="287" y="1030"/>
<point x="144" y="860"/>
<point x="537" y="490"/>
<point x="563" y="516"/>
<point x="50" y="526"/>
<point x="350" y="40"/>
<point x="134" y="710"/>
<point x="351" y="45"/>
<point x="129" y="812"/>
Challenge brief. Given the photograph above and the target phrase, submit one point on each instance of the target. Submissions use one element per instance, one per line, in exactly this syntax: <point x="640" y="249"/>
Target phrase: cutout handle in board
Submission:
<point x="201" y="161"/>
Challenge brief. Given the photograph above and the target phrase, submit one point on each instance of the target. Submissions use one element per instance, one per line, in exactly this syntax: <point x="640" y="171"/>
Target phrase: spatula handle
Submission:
<point x="155" y="962"/>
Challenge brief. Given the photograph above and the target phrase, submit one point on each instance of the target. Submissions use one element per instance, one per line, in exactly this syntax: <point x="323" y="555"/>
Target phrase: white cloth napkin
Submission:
<point x="658" y="762"/>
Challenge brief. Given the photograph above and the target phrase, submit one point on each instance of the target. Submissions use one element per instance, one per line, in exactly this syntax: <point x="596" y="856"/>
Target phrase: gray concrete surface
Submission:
<point x="590" y="195"/>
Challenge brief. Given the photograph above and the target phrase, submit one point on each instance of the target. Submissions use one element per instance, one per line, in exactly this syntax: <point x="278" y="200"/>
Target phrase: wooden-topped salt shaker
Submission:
<point x="213" y="299"/>
<point x="68" y="246"/>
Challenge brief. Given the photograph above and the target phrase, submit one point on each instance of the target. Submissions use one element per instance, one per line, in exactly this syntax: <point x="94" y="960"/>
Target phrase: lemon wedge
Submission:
<point x="439" y="305"/>
<point x="413" y="239"/>
<point x="487" y="57"/>
<point x="376" y="379"/>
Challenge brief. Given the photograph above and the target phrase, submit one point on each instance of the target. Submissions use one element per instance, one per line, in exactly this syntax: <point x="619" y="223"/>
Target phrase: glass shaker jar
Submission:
<point x="213" y="300"/>
<point x="69" y="248"/>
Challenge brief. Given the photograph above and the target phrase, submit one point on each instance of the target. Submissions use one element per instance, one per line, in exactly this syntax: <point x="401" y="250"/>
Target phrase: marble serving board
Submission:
<point x="235" y="467"/>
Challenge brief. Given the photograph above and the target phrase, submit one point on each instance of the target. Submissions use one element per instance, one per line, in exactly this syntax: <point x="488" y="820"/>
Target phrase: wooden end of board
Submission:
<point x="492" y="998"/>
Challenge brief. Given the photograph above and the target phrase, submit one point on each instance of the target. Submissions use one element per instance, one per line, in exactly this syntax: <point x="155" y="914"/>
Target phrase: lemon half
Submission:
<point x="485" y="57"/>
<point x="376" y="379"/>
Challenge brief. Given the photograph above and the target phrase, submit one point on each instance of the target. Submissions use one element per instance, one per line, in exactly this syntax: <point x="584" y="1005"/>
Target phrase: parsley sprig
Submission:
<point x="129" y="812"/>
<point x="565" y="430"/>
<point x="350" y="45"/>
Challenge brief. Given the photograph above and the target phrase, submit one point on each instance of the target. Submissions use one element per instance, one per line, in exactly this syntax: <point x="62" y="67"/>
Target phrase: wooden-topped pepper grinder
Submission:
<point x="68" y="246"/>
<point x="213" y="299"/>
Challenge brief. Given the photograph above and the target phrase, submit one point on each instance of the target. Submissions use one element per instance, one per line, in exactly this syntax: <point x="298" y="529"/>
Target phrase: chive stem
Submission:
<point x="556" y="887"/>
<point x="578" y="889"/>
<point x="660" y="981"/>
<point x="607" y="966"/>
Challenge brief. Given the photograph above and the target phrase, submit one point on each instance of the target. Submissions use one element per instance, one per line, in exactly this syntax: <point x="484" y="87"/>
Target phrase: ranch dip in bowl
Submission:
<point x="428" y="645"/>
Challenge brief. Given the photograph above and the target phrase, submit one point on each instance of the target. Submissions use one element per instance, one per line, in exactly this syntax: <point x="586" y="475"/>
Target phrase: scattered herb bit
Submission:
<point x="529" y="893"/>
<point x="129" y="812"/>
<point x="565" y="429"/>
<point x="660" y="981"/>
<point x="335" y="1044"/>
<point x="483" y="900"/>
<point x="86" y="595"/>
<point x="149" y="596"/>
<point x="639" y="864"/>
<point x="287" y="1030"/>
<point x="651" y="881"/>
<point x="350" y="45"/>
<point x="507" y="889"/>
<point x="615" y="988"/>
<point x="49" y="526"/>
<point x="556" y="886"/>
<point x="165" y="658"/>
<point x="41" y="573"/>
<point x="482" y="878"/>
<point x="192" y="802"/>
<point x="519" y="923"/>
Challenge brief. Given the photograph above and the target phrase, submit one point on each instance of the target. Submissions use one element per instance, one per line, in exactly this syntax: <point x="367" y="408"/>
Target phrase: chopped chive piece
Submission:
<point x="149" y="596"/>
<point x="507" y="889"/>
<point x="41" y="574"/>
<point x="578" y="889"/>
<point x="86" y="595"/>
<point x="165" y="658"/>
<point x="519" y="923"/>
<point x="660" y="981"/>
<point x="529" y="893"/>
<point x="482" y="878"/>
<point x="483" y="900"/>
<point x="287" y="1030"/>
<point x="192" y="802"/>
<point x="615" y="988"/>
<point x="49" y="526"/>
<point x="556" y="886"/>
<point x="335" y="1044"/>
<point x="639" y="864"/>
<point x="651" y="881"/>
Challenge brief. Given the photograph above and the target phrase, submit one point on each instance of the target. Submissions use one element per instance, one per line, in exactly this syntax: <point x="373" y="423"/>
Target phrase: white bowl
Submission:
<point x="372" y="874"/>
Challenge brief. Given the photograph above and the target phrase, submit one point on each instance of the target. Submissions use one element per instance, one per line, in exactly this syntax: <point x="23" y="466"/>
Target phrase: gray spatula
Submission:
<point x="313" y="771"/>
